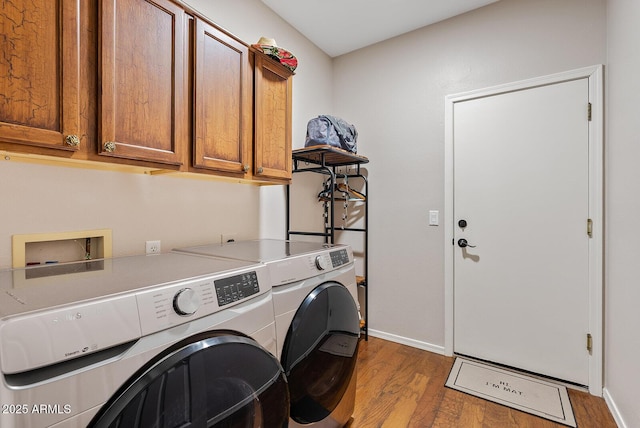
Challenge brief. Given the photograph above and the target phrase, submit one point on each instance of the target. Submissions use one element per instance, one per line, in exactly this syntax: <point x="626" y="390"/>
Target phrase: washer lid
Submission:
<point x="41" y="287"/>
<point x="260" y="250"/>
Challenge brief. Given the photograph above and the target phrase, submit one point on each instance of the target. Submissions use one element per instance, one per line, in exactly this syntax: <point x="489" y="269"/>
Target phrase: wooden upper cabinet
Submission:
<point x="143" y="105"/>
<point x="170" y="86"/>
<point x="272" y="145"/>
<point x="39" y="73"/>
<point x="222" y="96"/>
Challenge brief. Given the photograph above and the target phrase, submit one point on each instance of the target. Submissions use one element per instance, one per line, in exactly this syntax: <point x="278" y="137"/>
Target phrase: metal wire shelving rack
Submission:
<point x="327" y="160"/>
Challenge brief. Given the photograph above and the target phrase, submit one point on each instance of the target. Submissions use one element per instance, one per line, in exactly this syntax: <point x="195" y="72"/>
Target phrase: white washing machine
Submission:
<point x="317" y="322"/>
<point x="166" y="340"/>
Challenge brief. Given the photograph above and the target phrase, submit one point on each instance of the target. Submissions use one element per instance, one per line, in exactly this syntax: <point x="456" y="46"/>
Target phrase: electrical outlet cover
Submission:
<point x="152" y="247"/>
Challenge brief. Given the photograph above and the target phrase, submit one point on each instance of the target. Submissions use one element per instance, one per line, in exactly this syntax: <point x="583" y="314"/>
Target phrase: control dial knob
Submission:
<point x="186" y="302"/>
<point x="321" y="263"/>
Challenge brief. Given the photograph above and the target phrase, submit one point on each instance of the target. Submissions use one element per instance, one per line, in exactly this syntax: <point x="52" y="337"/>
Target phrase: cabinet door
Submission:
<point x="143" y="105"/>
<point x="272" y="146"/>
<point x="223" y="110"/>
<point x="39" y="73"/>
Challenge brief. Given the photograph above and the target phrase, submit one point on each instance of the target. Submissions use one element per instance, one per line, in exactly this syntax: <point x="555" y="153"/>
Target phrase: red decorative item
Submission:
<point x="269" y="47"/>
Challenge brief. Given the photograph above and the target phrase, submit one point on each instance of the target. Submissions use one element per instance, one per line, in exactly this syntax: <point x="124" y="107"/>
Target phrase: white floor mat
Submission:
<point x="528" y="394"/>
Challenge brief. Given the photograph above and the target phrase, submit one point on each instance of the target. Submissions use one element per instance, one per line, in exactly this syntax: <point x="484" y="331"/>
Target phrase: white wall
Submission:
<point x="394" y="93"/>
<point x="137" y="207"/>
<point x="38" y="199"/>
<point x="622" y="320"/>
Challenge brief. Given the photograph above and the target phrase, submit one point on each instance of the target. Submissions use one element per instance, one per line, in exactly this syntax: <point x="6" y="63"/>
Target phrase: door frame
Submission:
<point x="594" y="74"/>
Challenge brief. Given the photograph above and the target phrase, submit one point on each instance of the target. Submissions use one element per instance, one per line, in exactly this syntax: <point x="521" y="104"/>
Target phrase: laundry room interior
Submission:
<point x="398" y="88"/>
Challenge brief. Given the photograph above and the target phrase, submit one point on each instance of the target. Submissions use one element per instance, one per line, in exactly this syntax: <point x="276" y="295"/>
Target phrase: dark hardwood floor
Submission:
<point x="400" y="386"/>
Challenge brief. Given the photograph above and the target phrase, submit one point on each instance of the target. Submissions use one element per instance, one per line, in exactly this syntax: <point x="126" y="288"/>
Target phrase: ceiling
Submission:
<point x="341" y="26"/>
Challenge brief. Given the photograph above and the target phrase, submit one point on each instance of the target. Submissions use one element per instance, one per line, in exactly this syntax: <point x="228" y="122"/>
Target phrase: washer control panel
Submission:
<point x="303" y="266"/>
<point x="332" y="260"/>
<point x="339" y="258"/>
<point x="236" y="288"/>
<point x="164" y="307"/>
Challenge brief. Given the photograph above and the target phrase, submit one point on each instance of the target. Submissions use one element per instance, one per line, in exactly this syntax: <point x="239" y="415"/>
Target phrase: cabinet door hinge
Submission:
<point x="589" y="342"/>
<point x="590" y="228"/>
<point x="589" y="112"/>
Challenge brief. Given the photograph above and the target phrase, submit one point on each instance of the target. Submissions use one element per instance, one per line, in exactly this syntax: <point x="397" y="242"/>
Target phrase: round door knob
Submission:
<point x="321" y="263"/>
<point x="186" y="302"/>
<point x="72" y="140"/>
<point x="260" y="170"/>
<point x="109" y="146"/>
<point x="246" y="168"/>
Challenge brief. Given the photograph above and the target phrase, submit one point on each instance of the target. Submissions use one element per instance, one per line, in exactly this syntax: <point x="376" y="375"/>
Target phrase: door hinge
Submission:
<point x="590" y="228"/>
<point x="589" y="342"/>
<point x="589" y="112"/>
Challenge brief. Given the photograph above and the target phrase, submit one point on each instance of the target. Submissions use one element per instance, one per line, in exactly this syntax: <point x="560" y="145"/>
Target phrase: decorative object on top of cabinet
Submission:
<point x="222" y="96"/>
<point x="272" y="121"/>
<point x="143" y="104"/>
<point x="40" y="73"/>
<point x="269" y="47"/>
<point x="327" y="160"/>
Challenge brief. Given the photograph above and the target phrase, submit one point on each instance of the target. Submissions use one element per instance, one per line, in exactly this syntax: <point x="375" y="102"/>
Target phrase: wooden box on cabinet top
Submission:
<point x="40" y="73"/>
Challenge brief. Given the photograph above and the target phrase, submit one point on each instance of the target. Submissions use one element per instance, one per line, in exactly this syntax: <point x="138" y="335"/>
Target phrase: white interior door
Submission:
<point x="521" y="183"/>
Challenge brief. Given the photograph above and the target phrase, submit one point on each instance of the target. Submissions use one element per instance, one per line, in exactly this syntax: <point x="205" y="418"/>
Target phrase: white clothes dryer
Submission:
<point x="317" y="322"/>
<point x="167" y="340"/>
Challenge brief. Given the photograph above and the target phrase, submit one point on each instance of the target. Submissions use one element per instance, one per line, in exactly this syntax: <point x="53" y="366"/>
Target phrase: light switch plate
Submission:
<point x="434" y="219"/>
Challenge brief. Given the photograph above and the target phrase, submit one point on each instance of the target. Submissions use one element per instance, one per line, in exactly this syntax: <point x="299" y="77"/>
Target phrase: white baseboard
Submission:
<point x="406" y="341"/>
<point x="613" y="408"/>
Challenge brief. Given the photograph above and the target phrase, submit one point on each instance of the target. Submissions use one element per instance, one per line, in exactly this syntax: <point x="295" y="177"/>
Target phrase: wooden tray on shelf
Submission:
<point x="328" y="156"/>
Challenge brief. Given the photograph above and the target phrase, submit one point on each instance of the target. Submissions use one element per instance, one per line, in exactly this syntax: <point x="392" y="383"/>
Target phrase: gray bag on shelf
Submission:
<point x="333" y="131"/>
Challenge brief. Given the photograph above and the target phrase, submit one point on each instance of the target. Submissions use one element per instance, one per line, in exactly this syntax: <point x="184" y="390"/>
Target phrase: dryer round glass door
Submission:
<point x="209" y="380"/>
<point x="320" y="351"/>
